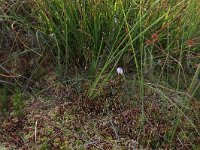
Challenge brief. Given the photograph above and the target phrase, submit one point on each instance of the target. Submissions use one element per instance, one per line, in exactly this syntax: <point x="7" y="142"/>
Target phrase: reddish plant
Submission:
<point x="190" y="43"/>
<point x="149" y="42"/>
<point x="154" y="37"/>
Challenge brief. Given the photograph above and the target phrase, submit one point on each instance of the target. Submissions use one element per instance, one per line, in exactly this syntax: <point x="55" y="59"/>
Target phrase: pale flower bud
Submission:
<point x="115" y="20"/>
<point x="120" y="71"/>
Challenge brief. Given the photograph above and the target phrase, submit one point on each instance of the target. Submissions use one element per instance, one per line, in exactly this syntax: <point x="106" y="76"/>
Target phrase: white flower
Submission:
<point x="115" y="20"/>
<point x="120" y="71"/>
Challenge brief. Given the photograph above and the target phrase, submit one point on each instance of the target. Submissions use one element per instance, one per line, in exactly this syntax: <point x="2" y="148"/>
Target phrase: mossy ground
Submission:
<point x="64" y="117"/>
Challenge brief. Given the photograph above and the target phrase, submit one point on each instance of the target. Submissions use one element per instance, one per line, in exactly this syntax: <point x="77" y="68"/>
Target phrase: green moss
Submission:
<point x="18" y="104"/>
<point x="4" y="100"/>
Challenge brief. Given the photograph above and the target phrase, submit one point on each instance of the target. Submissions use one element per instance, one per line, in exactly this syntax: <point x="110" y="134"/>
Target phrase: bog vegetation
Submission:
<point x="99" y="74"/>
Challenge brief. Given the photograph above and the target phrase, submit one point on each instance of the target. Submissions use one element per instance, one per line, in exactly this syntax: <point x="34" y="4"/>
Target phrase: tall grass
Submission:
<point x="96" y="35"/>
<point x="156" y="41"/>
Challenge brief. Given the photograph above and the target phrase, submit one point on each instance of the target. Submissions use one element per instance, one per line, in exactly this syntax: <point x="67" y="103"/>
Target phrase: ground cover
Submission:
<point x="108" y="74"/>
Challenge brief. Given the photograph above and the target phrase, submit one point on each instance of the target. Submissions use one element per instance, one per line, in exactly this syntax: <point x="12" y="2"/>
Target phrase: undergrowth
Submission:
<point x="155" y="42"/>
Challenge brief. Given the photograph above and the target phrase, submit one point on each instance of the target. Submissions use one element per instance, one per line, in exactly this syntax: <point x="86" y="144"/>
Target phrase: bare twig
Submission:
<point x="36" y="132"/>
